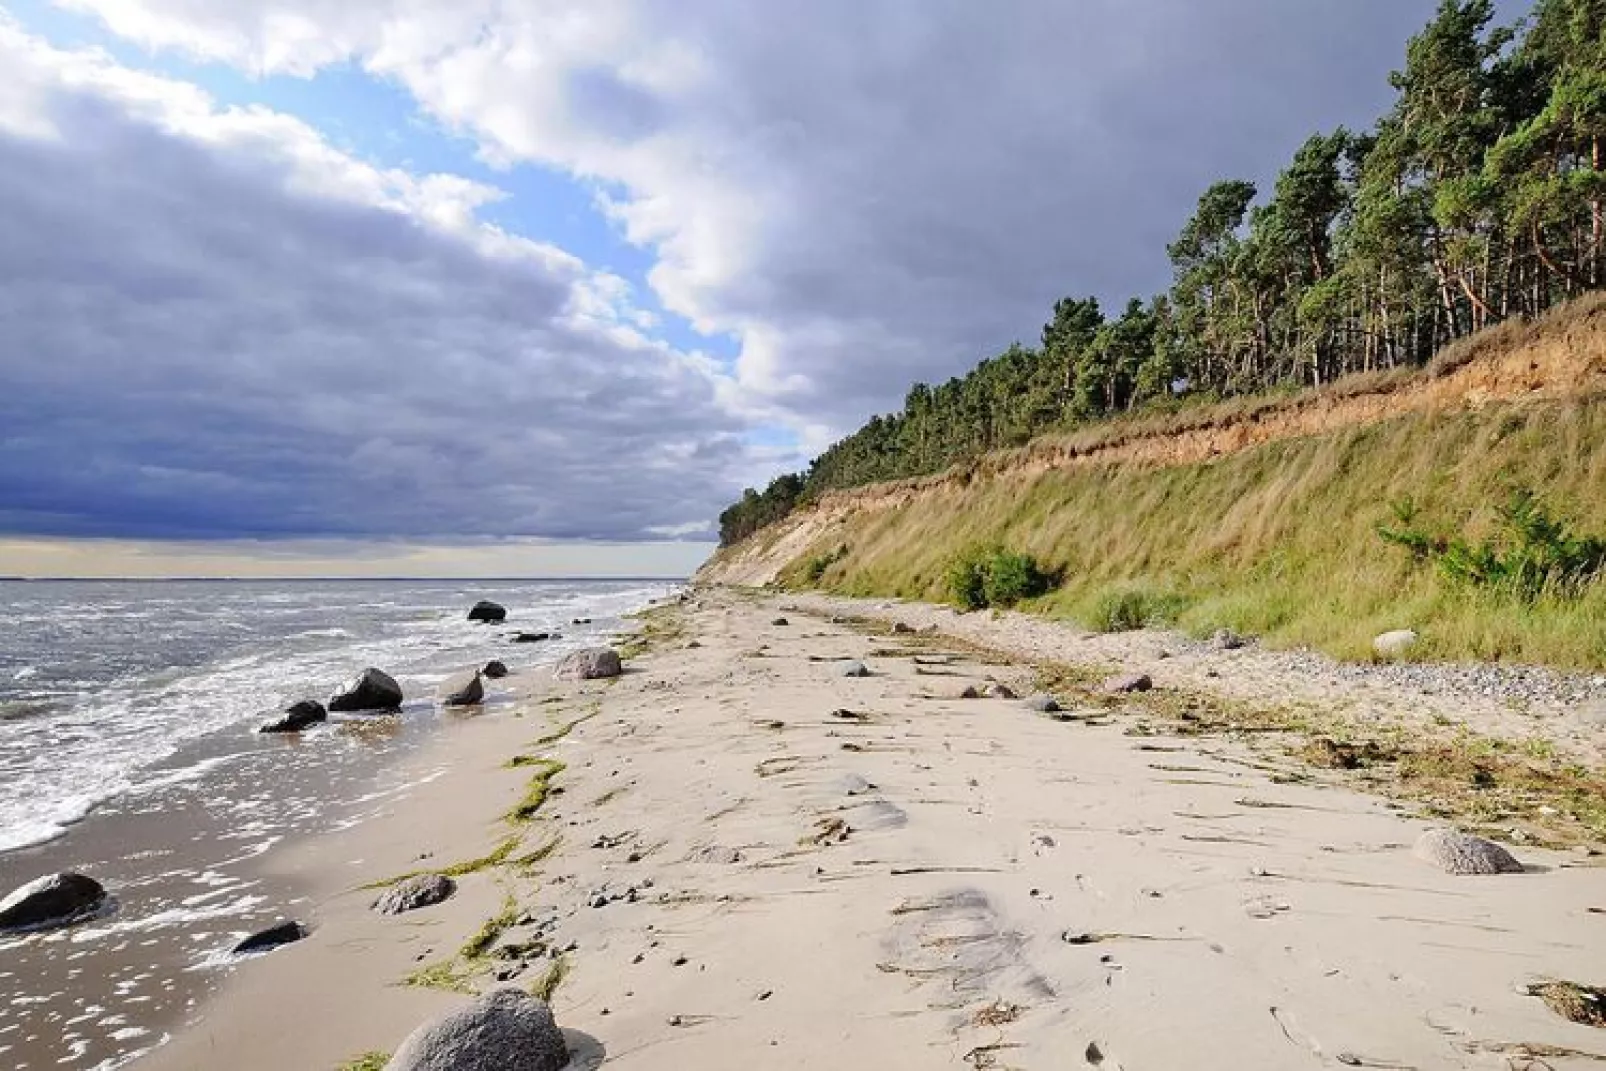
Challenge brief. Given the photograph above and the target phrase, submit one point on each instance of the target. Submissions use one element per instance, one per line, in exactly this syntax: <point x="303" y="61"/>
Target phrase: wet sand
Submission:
<point x="750" y="861"/>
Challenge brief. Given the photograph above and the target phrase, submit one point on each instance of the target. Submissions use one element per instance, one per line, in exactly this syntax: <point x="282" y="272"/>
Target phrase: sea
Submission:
<point x="128" y="749"/>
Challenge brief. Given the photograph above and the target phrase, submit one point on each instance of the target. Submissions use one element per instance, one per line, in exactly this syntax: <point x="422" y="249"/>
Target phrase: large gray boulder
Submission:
<point x="1394" y="644"/>
<point x="297" y="717"/>
<point x="488" y="612"/>
<point x="1455" y="852"/>
<point x="54" y="900"/>
<point x="373" y="689"/>
<point x="589" y="664"/>
<point x="410" y="894"/>
<point x="505" y="1030"/>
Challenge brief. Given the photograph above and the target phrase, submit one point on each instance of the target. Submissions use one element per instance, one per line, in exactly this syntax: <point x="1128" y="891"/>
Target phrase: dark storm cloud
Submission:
<point x="191" y="347"/>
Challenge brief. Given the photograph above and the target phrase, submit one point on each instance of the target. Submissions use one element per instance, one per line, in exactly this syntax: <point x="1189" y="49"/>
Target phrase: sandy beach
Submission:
<point x="745" y="859"/>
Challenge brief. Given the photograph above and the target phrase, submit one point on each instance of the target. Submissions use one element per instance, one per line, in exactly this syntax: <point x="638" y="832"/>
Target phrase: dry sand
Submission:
<point x="919" y="882"/>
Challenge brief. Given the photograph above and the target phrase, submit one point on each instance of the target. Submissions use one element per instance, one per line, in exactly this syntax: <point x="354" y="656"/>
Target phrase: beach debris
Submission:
<point x="1128" y="683"/>
<point x="844" y="714"/>
<point x="297" y="717"/>
<point x="830" y="831"/>
<point x="420" y="890"/>
<point x="1043" y="704"/>
<point x="504" y="1030"/>
<point x="852" y="668"/>
<point x="1455" y="852"/>
<point x="854" y="785"/>
<point x="1226" y="639"/>
<point x="372" y="689"/>
<point x="471" y="694"/>
<point x="1394" y="644"/>
<point x="590" y="663"/>
<point x="1583" y="1004"/>
<point x="494" y="670"/>
<point x="535" y="637"/>
<point x="1333" y="754"/>
<point x="997" y="1013"/>
<point x="488" y="613"/>
<point x="281" y="933"/>
<point x="52" y="901"/>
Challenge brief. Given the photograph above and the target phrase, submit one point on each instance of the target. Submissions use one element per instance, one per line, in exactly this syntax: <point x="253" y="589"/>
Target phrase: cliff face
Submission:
<point x="1233" y="510"/>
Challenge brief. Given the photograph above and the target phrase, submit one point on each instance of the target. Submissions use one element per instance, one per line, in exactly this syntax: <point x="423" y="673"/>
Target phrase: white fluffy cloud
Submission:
<point x="862" y="193"/>
<point x="214" y="323"/>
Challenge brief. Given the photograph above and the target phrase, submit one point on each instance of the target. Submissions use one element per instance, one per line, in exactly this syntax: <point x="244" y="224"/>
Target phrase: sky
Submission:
<point x="536" y="286"/>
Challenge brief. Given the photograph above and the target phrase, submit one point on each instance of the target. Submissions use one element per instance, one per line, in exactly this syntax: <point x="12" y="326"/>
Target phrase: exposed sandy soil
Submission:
<point x="920" y="882"/>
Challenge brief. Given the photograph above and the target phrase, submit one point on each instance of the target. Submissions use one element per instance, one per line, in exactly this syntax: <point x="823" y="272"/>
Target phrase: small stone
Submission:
<point x="780" y="622"/>
<point x="591" y="663"/>
<point x="1043" y="704"/>
<point x="1226" y="639"/>
<point x="1455" y="852"/>
<point x="852" y="669"/>
<point x="1128" y="683"/>
<point x="999" y="691"/>
<point x="418" y="891"/>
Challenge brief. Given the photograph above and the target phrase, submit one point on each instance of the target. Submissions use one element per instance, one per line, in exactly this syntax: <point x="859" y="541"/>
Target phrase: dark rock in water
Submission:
<point x="372" y="690"/>
<point x="1131" y="682"/>
<point x="505" y="1030"/>
<point x="1455" y="852"/>
<point x="780" y="622"/>
<point x="495" y="670"/>
<point x="589" y="664"/>
<point x="1226" y="639"/>
<point x="902" y="629"/>
<point x="55" y="900"/>
<point x="852" y="669"/>
<point x="1043" y="704"/>
<point x="297" y="717"/>
<point x="266" y="940"/>
<point x="533" y="637"/>
<point x="420" y="890"/>
<point x="488" y="612"/>
<point x="470" y="695"/>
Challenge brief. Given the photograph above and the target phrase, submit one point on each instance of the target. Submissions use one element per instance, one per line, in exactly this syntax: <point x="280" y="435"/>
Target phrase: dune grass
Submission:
<point x="1277" y="541"/>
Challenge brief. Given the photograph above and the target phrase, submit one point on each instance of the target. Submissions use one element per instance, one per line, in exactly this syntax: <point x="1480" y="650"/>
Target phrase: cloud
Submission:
<point x="863" y="194"/>
<point x="213" y="323"/>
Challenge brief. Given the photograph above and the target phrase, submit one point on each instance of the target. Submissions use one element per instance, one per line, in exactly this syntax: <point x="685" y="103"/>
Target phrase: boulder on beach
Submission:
<point x="297" y="717"/>
<point x="1455" y="852"/>
<point x="267" y="940"/>
<point x="1128" y="683"/>
<point x="1394" y="644"/>
<point x="471" y="694"/>
<point x="495" y="670"/>
<point x="1226" y="639"/>
<point x="590" y="663"/>
<point x="1043" y="704"/>
<point x="410" y="894"/>
<point x="488" y="612"/>
<point x="533" y="637"/>
<point x="504" y="1030"/>
<point x="50" y="901"/>
<point x="373" y="689"/>
<point x="851" y="668"/>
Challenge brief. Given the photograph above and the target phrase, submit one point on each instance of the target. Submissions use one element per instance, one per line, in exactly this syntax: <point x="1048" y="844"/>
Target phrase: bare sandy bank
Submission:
<point x="749" y="860"/>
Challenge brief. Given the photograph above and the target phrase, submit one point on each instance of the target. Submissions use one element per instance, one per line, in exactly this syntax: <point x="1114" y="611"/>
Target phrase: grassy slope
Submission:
<point x="1277" y="540"/>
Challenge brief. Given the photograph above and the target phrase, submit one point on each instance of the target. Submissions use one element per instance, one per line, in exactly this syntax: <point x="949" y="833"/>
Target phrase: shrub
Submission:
<point x="815" y="569"/>
<point x="1129" y="609"/>
<point x="992" y="576"/>
<point x="1532" y="553"/>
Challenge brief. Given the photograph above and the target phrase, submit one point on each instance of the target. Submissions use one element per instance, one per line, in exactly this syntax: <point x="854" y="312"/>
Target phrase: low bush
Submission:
<point x="814" y="569"/>
<point x="1531" y="554"/>
<point x="992" y="576"/>
<point x="1129" y="609"/>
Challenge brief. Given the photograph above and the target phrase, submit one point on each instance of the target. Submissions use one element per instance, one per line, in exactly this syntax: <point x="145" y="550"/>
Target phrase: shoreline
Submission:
<point x="736" y="858"/>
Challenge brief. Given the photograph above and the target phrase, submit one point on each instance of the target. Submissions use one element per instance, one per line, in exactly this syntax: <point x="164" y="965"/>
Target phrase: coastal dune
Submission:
<point x="736" y="856"/>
